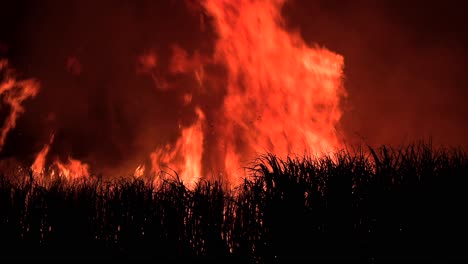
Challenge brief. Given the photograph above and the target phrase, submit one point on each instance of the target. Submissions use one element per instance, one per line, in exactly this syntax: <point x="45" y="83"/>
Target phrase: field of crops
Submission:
<point x="365" y="204"/>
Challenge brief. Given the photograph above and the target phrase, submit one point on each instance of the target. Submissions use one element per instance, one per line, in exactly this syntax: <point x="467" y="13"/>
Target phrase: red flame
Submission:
<point x="280" y="95"/>
<point x="139" y="171"/>
<point x="71" y="169"/>
<point x="14" y="93"/>
<point x="39" y="165"/>
<point x="185" y="156"/>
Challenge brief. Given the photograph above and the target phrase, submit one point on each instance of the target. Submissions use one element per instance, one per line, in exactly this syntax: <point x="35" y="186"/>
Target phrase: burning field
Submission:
<point x="215" y="128"/>
<point x="275" y="94"/>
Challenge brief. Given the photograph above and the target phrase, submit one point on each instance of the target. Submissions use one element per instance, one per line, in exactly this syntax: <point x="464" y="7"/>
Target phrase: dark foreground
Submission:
<point x="391" y="204"/>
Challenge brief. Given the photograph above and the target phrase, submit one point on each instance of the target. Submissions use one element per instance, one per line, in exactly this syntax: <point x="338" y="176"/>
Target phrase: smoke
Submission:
<point x="120" y="79"/>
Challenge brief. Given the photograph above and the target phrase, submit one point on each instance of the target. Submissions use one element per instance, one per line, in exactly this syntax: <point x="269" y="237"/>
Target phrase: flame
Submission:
<point x="282" y="95"/>
<point x="14" y="93"/>
<point x="38" y="166"/>
<point x="139" y="171"/>
<point x="72" y="169"/>
<point x="186" y="155"/>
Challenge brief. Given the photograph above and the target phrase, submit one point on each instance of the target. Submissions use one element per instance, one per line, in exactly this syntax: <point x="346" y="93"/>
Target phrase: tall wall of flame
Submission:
<point x="282" y="95"/>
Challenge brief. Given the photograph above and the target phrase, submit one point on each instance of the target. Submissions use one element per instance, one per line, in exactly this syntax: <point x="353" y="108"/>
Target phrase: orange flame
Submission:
<point x="185" y="156"/>
<point x="72" y="169"/>
<point x="282" y="95"/>
<point x="139" y="171"/>
<point x="38" y="166"/>
<point x="14" y="93"/>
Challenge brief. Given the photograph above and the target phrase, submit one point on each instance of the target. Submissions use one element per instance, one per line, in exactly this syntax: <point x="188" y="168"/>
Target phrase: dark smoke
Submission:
<point x="405" y="72"/>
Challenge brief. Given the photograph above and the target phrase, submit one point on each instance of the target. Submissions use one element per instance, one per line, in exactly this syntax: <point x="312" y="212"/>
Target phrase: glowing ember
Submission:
<point x="13" y="93"/>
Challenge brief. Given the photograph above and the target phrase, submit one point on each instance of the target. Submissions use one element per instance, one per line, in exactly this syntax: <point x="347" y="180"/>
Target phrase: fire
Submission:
<point x="72" y="169"/>
<point x="185" y="156"/>
<point x="38" y="166"/>
<point x="282" y="95"/>
<point x="139" y="171"/>
<point x="14" y="93"/>
<point x="278" y="94"/>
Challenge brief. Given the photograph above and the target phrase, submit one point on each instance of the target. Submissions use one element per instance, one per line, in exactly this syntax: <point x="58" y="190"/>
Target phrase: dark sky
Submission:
<point x="405" y="67"/>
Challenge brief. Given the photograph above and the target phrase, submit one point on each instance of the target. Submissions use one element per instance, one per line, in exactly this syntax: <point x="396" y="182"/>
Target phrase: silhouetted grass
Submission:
<point x="363" y="204"/>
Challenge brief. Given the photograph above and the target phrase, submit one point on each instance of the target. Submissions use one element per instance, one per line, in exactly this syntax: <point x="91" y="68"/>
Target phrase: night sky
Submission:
<point x="405" y="64"/>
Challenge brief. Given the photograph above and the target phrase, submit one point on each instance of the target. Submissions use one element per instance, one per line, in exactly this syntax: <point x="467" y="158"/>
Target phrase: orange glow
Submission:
<point x="13" y="93"/>
<point x="262" y="90"/>
<point x="282" y="95"/>
<point x="148" y="64"/>
<point x="139" y="171"/>
<point x="72" y="169"/>
<point x="181" y="62"/>
<point x="185" y="156"/>
<point x="38" y="166"/>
